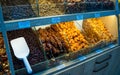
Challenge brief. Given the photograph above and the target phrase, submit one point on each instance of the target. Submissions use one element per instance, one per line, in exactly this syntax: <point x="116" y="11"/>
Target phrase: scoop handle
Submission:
<point x="27" y="65"/>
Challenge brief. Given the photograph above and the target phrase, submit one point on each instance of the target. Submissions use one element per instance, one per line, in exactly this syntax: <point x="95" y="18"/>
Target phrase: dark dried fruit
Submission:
<point x="16" y="9"/>
<point x="36" y="54"/>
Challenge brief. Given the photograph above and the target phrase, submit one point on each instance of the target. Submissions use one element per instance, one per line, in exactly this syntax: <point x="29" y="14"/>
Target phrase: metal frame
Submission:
<point x="13" y="25"/>
<point x="4" y="33"/>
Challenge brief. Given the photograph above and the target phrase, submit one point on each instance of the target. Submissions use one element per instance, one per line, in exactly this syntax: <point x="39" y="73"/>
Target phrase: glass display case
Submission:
<point x="57" y="31"/>
<point x="52" y="45"/>
<point x="35" y="8"/>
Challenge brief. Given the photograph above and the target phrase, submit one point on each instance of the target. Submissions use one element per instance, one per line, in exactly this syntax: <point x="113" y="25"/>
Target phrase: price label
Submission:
<point x="97" y="15"/>
<point x="24" y="24"/>
<point x="79" y="17"/>
<point x="82" y="58"/>
<point x="56" y="20"/>
<point x="99" y="51"/>
<point x="111" y="46"/>
<point x="60" y="66"/>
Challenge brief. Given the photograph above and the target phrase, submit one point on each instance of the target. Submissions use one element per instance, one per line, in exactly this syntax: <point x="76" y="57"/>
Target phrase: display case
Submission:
<point x="75" y="32"/>
<point x="35" y="8"/>
<point x="61" y="7"/>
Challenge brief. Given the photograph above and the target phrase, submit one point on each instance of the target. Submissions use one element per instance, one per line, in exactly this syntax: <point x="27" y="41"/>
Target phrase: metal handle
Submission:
<point x="106" y="65"/>
<point x="104" y="60"/>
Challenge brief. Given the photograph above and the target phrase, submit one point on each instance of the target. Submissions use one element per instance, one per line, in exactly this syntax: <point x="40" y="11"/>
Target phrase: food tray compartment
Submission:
<point x="48" y="7"/>
<point x="19" y="9"/>
<point x="36" y="57"/>
<point x="52" y="44"/>
<point x="99" y="33"/>
<point x="51" y="9"/>
<point x="82" y="51"/>
<point x="18" y="12"/>
<point x="70" y="54"/>
<point x="78" y="7"/>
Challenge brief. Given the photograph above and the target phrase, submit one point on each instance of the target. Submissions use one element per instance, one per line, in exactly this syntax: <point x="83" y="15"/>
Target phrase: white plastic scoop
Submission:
<point x="21" y="51"/>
